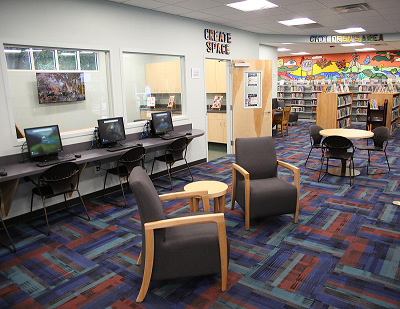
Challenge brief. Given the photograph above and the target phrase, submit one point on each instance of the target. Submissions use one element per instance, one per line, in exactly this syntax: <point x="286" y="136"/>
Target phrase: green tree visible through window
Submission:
<point x="67" y="60"/>
<point x="44" y="59"/>
<point x="88" y="60"/>
<point x="17" y="58"/>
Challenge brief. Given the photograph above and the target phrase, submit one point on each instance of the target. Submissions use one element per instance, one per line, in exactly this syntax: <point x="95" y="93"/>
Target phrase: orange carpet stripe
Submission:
<point x="380" y="232"/>
<point x="87" y="238"/>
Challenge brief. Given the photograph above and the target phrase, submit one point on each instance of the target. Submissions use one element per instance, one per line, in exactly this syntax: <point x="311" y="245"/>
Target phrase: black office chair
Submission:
<point x="337" y="147"/>
<point x="315" y="139"/>
<point x="126" y="162"/>
<point x="189" y="245"/>
<point x="59" y="179"/>
<point x="174" y="152"/>
<point x="380" y="139"/>
<point x="8" y="235"/>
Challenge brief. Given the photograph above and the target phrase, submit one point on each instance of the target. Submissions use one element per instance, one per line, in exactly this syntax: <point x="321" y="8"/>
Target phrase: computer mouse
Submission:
<point x="139" y="144"/>
<point x="3" y="173"/>
<point x="189" y="133"/>
<point x="77" y="156"/>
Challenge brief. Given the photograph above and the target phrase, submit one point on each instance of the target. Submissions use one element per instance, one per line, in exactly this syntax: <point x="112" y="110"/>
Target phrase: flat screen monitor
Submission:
<point x="43" y="141"/>
<point x="161" y="123"/>
<point x="111" y="131"/>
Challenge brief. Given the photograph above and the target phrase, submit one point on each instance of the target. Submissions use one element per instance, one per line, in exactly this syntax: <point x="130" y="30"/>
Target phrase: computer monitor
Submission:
<point x="43" y="141"/>
<point x="161" y="123"/>
<point x="111" y="131"/>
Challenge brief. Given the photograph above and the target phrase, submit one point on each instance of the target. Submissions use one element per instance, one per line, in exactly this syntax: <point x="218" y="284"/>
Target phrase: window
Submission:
<point x="149" y="80"/>
<point x="74" y="100"/>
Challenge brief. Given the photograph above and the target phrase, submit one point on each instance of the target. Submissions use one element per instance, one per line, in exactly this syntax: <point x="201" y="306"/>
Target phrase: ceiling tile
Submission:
<point x="172" y="9"/>
<point x="381" y="4"/>
<point x="147" y="4"/>
<point x="388" y="11"/>
<point x="197" y="5"/>
<point x="170" y="1"/>
<point x="335" y="3"/>
<point x="221" y="10"/>
<point x="305" y="6"/>
<point x="272" y="12"/>
<point x="195" y="15"/>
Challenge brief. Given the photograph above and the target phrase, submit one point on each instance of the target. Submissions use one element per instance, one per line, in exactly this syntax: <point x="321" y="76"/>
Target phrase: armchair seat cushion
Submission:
<point x="293" y="117"/>
<point x="194" y="244"/>
<point x="280" y="198"/>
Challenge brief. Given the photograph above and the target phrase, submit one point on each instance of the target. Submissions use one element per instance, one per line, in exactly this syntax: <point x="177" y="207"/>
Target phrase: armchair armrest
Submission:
<point x="188" y="194"/>
<point x="149" y="228"/>
<point x="296" y="172"/>
<point x="246" y="175"/>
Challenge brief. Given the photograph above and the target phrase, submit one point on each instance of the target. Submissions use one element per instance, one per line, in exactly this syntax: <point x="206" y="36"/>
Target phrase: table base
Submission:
<point x="337" y="171"/>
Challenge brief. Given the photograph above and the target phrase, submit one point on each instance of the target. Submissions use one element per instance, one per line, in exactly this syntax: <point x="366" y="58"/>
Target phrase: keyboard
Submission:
<point x="56" y="161"/>
<point x="172" y="135"/>
<point x="121" y="147"/>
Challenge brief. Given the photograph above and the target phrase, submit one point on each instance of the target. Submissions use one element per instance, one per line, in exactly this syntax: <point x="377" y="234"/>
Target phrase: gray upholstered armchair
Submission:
<point x="191" y="245"/>
<point x="255" y="183"/>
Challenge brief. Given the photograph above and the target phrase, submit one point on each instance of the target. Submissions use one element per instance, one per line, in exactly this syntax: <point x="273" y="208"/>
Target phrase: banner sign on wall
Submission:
<point x="217" y="41"/>
<point x="346" y="38"/>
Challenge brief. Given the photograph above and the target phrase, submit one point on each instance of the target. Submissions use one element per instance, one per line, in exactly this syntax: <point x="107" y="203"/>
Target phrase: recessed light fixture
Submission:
<point x="286" y="43"/>
<point x="252" y="5"/>
<point x="364" y="49"/>
<point x="297" y="21"/>
<point x="300" y="53"/>
<point x="352" y="44"/>
<point x="283" y="49"/>
<point x="350" y="30"/>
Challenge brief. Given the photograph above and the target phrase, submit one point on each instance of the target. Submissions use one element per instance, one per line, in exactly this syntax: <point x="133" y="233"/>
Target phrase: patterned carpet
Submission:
<point x="343" y="253"/>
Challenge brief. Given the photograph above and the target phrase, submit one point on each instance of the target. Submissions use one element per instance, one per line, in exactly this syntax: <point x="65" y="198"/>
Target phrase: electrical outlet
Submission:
<point x="112" y="165"/>
<point x="96" y="169"/>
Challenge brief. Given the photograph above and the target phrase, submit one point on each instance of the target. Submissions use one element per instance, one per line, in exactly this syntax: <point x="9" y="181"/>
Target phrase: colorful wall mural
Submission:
<point x="352" y="66"/>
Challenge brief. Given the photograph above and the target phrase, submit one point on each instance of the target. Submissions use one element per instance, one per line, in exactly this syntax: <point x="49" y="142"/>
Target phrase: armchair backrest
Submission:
<point x="257" y="156"/>
<point x="281" y="103"/>
<point x="61" y="177"/>
<point x="147" y="199"/>
<point x="381" y="135"/>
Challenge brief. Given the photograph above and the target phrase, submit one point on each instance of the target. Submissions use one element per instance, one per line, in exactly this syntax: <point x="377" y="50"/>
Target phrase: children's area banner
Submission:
<point x="380" y="65"/>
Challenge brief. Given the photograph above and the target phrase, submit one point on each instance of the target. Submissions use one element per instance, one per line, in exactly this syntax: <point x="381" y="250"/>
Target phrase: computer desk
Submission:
<point x="15" y="171"/>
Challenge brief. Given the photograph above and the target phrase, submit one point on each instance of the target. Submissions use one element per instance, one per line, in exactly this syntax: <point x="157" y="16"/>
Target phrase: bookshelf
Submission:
<point x="334" y="110"/>
<point x="392" y="113"/>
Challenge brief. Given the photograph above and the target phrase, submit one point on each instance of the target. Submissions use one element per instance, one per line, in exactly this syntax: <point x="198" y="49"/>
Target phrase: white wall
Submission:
<point x="267" y="53"/>
<point x="104" y="25"/>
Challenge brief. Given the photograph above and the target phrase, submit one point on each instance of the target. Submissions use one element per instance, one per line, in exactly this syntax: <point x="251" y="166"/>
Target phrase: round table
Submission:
<point x="350" y="134"/>
<point x="216" y="190"/>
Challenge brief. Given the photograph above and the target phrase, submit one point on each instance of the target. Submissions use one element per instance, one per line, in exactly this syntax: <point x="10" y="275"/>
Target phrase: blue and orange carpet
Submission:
<point x="343" y="253"/>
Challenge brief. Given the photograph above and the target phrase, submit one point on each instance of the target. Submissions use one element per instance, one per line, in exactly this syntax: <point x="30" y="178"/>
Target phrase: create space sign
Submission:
<point x="217" y="41"/>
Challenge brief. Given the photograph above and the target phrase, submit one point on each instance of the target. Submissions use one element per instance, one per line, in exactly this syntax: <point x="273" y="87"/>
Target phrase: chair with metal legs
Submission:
<point x="8" y="235"/>
<point x="175" y="151"/>
<point x="126" y="162"/>
<point x="59" y="179"/>
<point x="315" y="139"/>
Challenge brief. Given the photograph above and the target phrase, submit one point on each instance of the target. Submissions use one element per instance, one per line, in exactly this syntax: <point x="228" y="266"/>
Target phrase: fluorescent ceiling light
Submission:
<point x="286" y="43"/>
<point x="12" y="51"/>
<point x="297" y="21"/>
<point x="300" y="53"/>
<point x="352" y="44"/>
<point x="350" y="30"/>
<point x="252" y="5"/>
<point x="283" y="49"/>
<point x="67" y="54"/>
<point x="364" y="49"/>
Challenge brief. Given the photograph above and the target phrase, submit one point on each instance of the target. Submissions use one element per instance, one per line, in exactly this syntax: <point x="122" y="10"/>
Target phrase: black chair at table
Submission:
<point x="257" y="189"/>
<point x="337" y="147"/>
<point x="380" y="140"/>
<point x="59" y="179"/>
<point x="8" y="235"/>
<point x="175" y="151"/>
<point x="315" y="139"/>
<point x="126" y="162"/>
<point x="376" y="117"/>
<point x="193" y="244"/>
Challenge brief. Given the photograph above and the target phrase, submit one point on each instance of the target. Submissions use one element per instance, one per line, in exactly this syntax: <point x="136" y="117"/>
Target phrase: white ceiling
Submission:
<point x="383" y="18"/>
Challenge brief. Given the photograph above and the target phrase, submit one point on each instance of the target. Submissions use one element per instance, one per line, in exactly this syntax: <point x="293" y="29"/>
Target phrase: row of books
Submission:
<point x="362" y="103"/>
<point x="362" y="96"/>
<point x="344" y="100"/>
<point x="342" y="123"/>
<point x="343" y="112"/>
<point x="296" y="95"/>
<point x="361" y="111"/>
<point x="297" y="88"/>
<point x="297" y="102"/>
<point x="366" y="88"/>
<point x="395" y="114"/>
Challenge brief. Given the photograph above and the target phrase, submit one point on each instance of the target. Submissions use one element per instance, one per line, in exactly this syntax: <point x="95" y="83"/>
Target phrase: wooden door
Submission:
<point x="252" y="122"/>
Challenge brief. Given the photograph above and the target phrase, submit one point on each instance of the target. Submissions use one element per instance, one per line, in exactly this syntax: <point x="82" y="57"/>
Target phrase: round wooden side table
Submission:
<point x="216" y="190"/>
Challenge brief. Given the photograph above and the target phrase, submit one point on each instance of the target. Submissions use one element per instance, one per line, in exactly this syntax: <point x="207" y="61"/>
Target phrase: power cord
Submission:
<point x="22" y="153"/>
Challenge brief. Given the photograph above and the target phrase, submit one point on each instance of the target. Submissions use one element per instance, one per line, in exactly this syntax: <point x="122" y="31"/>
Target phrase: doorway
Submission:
<point x="218" y="102"/>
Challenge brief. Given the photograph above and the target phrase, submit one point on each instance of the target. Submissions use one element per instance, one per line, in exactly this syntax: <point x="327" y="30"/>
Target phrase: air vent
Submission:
<point x="353" y="8"/>
<point x="308" y="26"/>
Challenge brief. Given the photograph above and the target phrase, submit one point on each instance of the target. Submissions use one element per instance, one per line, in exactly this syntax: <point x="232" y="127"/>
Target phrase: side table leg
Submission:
<point x="221" y="202"/>
<point x="216" y="205"/>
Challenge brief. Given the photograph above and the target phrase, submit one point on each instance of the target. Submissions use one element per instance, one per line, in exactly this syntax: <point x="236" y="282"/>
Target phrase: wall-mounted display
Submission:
<point x="60" y="87"/>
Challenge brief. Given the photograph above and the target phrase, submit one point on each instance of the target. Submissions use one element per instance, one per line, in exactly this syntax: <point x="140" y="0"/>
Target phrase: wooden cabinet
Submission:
<point x="215" y="76"/>
<point x="164" y="77"/>
<point x="334" y="110"/>
<point x="146" y="113"/>
<point x="216" y="127"/>
<point x="392" y="113"/>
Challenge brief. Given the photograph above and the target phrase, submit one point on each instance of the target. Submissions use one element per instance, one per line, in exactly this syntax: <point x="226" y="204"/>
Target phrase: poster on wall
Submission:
<point x="151" y="101"/>
<point x="252" y="89"/>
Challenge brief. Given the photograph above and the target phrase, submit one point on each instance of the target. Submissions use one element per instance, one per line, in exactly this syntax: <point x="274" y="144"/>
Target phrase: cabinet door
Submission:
<point x="173" y="77"/>
<point x="211" y="78"/>
<point x="151" y="76"/>
<point x="216" y="125"/>
<point x="220" y="70"/>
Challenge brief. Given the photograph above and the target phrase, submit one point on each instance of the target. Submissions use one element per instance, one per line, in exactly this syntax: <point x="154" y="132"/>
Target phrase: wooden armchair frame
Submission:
<point x="246" y="175"/>
<point x="149" y="228"/>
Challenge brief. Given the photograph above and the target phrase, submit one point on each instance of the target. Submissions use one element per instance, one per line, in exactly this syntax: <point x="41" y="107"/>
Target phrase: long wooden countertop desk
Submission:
<point x="15" y="171"/>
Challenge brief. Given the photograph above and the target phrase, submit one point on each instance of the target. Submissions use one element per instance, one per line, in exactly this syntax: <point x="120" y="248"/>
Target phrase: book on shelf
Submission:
<point x="373" y="104"/>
